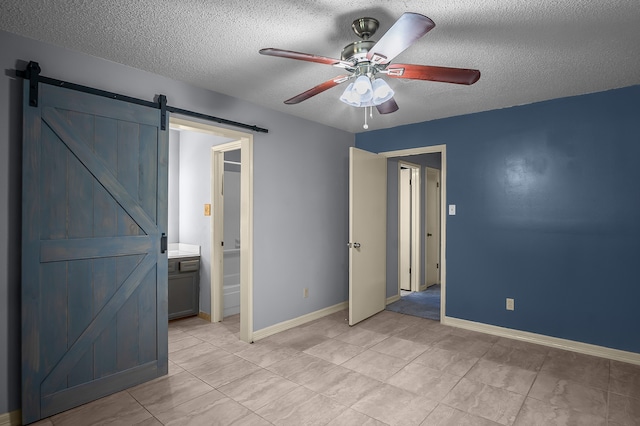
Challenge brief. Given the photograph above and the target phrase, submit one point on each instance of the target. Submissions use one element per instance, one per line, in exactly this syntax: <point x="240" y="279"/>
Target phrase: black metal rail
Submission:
<point x="32" y="73"/>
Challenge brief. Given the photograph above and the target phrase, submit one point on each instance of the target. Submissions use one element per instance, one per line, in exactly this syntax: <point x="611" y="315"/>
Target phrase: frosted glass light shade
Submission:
<point x="381" y="92"/>
<point x="363" y="87"/>
<point x="350" y="96"/>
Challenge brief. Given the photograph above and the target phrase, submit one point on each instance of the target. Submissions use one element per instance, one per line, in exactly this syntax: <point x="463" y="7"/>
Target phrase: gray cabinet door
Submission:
<point x="94" y="280"/>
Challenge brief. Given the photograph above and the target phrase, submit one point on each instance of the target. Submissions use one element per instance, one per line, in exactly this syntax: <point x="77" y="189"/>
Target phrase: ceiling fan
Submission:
<point x="365" y="59"/>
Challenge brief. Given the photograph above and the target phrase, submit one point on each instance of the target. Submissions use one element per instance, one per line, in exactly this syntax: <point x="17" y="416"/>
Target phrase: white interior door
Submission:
<point x="433" y="226"/>
<point x="404" y="236"/>
<point x="367" y="234"/>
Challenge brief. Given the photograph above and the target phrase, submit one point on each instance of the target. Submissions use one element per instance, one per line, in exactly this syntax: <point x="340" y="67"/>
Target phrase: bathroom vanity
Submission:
<point x="184" y="279"/>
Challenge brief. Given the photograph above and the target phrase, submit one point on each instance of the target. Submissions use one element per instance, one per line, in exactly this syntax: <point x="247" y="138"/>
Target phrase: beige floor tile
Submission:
<point x="343" y="385"/>
<point x="186" y="342"/>
<point x="400" y="348"/>
<point x="334" y="351"/>
<point x="301" y="407"/>
<point x="304" y="341"/>
<point x="625" y="379"/>
<point x="502" y="376"/>
<point x="447" y="416"/>
<point x="212" y="408"/>
<point x="194" y="356"/>
<point x="523" y="346"/>
<point x="169" y="392"/>
<point x="452" y="362"/>
<point x="537" y="413"/>
<point x="421" y="380"/>
<point x="119" y="408"/>
<point x="375" y="365"/>
<point x="395" y="406"/>
<point x="340" y="316"/>
<point x="472" y="379"/>
<point x="420" y="334"/>
<point x="474" y="335"/>
<point x="230" y="343"/>
<point x="209" y="332"/>
<point x="302" y="368"/>
<point x="174" y="334"/>
<point x="190" y="323"/>
<point x="472" y="347"/>
<point x="151" y="421"/>
<point x="266" y="355"/>
<point x="258" y="389"/>
<point x="361" y="337"/>
<point x="568" y="394"/>
<point x="624" y="410"/>
<point x="522" y="358"/>
<point x="351" y="417"/>
<point x="328" y="327"/>
<point x="384" y="325"/>
<point x="218" y="375"/>
<point x="585" y="369"/>
<point x="174" y="368"/>
<point x="486" y="401"/>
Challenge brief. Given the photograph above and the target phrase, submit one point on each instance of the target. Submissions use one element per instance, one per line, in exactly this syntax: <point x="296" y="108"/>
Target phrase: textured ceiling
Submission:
<point x="527" y="51"/>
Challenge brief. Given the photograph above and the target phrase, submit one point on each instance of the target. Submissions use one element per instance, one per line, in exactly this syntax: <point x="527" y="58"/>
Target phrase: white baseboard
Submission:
<point x="392" y="299"/>
<point x="13" y="418"/>
<point x="285" y="325"/>
<point x="540" y="339"/>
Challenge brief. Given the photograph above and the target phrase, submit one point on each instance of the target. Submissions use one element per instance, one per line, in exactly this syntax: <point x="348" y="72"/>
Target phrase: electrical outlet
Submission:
<point x="305" y="293"/>
<point x="510" y="304"/>
<point x="207" y="209"/>
<point x="452" y="209"/>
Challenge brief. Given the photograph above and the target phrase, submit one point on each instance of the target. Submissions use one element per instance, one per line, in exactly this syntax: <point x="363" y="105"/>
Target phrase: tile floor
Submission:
<point x="391" y="369"/>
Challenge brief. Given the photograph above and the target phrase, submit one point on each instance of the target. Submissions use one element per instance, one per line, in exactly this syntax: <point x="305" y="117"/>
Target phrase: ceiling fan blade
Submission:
<point x="431" y="73"/>
<point x="318" y="89"/>
<point x="388" y="107"/>
<point x="305" y="57"/>
<point x="406" y="30"/>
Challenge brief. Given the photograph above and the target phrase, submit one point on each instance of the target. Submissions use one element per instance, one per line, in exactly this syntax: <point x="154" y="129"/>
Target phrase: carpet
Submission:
<point x="424" y="304"/>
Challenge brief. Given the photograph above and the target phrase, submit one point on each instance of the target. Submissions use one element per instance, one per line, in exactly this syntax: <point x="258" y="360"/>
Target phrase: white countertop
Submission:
<point x="183" y="250"/>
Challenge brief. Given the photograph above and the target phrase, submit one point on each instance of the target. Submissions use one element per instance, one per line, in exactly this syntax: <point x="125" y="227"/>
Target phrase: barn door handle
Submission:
<point x="163" y="243"/>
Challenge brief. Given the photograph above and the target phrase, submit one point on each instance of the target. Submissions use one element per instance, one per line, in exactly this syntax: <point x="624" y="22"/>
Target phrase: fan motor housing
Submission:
<point x="357" y="50"/>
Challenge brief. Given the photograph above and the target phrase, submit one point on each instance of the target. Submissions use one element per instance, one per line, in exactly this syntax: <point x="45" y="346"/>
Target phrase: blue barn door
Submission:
<point x="94" y="276"/>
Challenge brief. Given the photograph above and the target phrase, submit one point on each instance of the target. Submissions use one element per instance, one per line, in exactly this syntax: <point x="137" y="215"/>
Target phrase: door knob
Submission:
<point x="356" y="245"/>
<point x="429" y="235"/>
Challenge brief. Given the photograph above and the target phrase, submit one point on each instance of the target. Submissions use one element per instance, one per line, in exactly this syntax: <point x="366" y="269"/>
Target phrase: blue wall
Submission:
<point x="548" y="212"/>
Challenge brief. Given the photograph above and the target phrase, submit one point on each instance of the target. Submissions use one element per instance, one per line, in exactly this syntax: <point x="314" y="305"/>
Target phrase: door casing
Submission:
<point x="244" y="142"/>
<point x="432" y="195"/>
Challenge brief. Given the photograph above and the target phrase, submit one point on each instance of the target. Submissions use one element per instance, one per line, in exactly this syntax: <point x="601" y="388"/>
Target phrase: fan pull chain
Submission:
<point x="366" y="126"/>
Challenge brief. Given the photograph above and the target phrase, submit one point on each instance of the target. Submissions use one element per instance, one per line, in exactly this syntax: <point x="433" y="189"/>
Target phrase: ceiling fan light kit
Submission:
<point x="365" y="58"/>
<point x="364" y="93"/>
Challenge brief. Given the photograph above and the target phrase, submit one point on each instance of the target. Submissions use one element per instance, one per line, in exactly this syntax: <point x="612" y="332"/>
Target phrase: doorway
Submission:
<point x="433" y="256"/>
<point x="242" y="142"/>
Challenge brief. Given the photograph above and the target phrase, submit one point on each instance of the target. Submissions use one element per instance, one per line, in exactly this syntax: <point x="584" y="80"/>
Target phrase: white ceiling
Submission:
<point x="526" y="50"/>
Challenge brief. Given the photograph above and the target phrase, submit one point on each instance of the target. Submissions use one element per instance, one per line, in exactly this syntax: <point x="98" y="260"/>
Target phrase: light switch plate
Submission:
<point x="510" y="304"/>
<point x="452" y="209"/>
